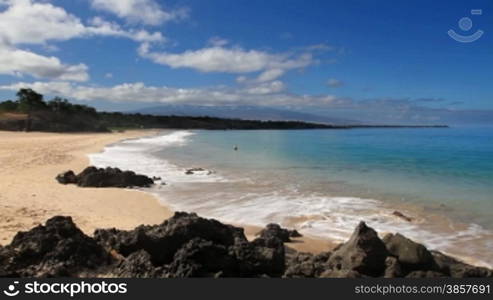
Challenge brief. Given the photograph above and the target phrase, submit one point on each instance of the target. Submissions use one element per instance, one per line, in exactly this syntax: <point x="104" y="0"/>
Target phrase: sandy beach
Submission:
<point x="29" y="193"/>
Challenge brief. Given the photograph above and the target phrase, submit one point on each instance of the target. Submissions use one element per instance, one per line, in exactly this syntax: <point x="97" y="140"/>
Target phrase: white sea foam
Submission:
<point x="311" y="213"/>
<point x="137" y="155"/>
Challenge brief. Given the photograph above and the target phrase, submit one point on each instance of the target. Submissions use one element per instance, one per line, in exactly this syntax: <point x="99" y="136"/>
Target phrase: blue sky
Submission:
<point x="353" y="59"/>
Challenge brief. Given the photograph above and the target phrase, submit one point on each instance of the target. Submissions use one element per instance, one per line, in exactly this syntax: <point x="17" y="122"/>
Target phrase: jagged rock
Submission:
<point x="137" y="265"/>
<point x="274" y="230"/>
<point x="305" y="265"/>
<point x="364" y="253"/>
<point x="392" y="268"/>
<point x="57" y="249"/>
<point x="112" y="177"/>
<point x="455" y="268"/>
<point x="425" y="274"/>
<point x="260" y="257"/>
<point x="67" y="177"/>
<point x="411" y="255"/>
<point x="162" y="241"/>
<point x="201" y="258"/>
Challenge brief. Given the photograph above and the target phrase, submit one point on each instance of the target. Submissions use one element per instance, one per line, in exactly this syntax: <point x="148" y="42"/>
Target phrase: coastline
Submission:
<point x="30" y="194"/>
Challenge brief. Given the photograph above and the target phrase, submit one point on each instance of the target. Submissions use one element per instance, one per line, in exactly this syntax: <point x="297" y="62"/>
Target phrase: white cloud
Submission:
<point x="270" y="75"/>
<point x="139" y="11"/>
<point x="230" y="60"/>
<point x="266" y="88"/>
<point x="28" y="22"/>
<point x="334" y="83"/>
<point x="18" y="62"/>
<point x="132" y="92"/>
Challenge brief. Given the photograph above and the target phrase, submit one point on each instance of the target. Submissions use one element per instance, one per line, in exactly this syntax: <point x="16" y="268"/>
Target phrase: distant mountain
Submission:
<point x="242" y="112"/>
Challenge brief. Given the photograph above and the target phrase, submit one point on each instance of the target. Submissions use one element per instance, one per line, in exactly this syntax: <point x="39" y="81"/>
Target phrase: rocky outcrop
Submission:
<point x="187" y="245"/>
<point x="364" y="253"/>
<point x="58" y="249"/>
<point x="411" y="255"/>
<point x="274" y="230"/>
<point x="108" y="177"/>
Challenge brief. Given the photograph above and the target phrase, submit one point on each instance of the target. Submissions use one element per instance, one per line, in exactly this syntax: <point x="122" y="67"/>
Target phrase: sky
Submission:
<point x="356" y="59"/>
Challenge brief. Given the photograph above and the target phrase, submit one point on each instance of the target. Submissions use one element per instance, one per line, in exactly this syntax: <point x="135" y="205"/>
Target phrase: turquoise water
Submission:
<point x="438" y="168"/>
<point x="324" y="182"/>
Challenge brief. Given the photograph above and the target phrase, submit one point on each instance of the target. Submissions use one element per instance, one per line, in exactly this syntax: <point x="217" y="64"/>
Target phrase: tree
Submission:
<point x="30" y="101"/>
<point x="9" y="106"/>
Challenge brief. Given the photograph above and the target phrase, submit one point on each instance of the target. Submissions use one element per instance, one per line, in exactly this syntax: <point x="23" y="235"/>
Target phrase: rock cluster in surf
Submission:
<point x="105" y="177"/>
<point x="187" y="245"/>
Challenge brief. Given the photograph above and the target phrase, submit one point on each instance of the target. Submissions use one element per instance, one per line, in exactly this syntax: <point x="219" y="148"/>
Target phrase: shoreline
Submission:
<point x="30" y="194"/>
<point x="311" y="243"/>
<point x="35" y="158"/>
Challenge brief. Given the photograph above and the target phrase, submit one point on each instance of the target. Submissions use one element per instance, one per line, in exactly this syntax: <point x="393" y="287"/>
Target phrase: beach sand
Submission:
<point x="29" y="193"/>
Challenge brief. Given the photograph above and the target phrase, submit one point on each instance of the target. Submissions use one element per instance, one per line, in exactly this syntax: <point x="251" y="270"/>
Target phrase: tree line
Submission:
<point x="60" y="115"/>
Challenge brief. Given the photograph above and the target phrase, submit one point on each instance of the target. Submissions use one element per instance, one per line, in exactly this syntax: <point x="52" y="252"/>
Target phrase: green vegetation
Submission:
<point x="31" y="112"/>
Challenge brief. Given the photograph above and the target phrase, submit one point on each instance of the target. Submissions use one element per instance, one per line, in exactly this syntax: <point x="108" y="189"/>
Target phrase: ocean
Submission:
<point x="324" y="182"/>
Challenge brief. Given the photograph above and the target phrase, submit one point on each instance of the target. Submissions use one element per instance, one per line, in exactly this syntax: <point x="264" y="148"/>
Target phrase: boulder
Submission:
<point x="112" y="177"/>
<point x="67" y="177"/>
<point x="457" y="269"/>
<point x="274" y="230"/>
<point x="411" y="255"/>
<point x="57" y="249"/>
<point x="364" y="253"/>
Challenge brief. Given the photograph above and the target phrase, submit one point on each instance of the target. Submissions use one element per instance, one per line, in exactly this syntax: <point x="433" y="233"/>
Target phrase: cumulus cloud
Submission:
<point x="228" y="60"/>
<point x="28" y="22"/>
<point x="148" y="12"/>
<point x="272" y="95"/>
<point x="19" y="62"/>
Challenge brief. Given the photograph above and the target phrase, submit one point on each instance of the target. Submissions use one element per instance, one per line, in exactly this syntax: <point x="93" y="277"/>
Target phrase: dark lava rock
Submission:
<point x="201" y="258"/>
<point x="67" y="177"/>
<point x="411" y="255"/>
<point x="57" y="249"/>
<point x="402" y="216"/>
<point x="455" y="268"/>
<point x="162" y="241"/>
<point x="274" y="230"/>
<point x="306" y="265"/>
<point x="137" y="265"/>
<point x="364" y="253"/>
<point x="112" y="177"/>
<point x="197" y="170"/>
